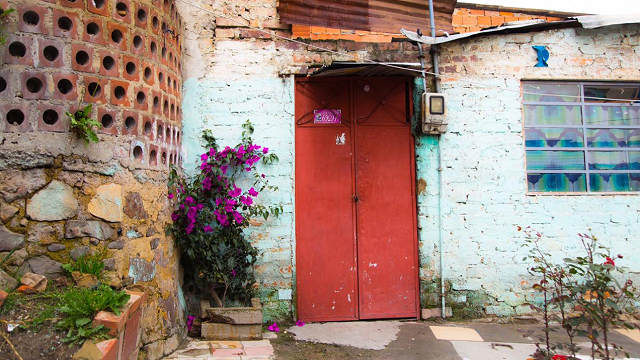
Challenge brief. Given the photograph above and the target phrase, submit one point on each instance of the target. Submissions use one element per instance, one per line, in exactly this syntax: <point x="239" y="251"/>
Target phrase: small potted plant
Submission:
<point x="212" y="209"/>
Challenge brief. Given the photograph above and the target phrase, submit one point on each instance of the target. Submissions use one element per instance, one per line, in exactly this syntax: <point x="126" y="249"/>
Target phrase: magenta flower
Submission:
<point x="205" y="167"/>
<point x="206" y="184"/>
<point x="263" y="176"/>
<point x="248" y="201"/>
<point x="208" y="229"/>
<point x="212" y="152"/>
<point x="274" y="328"/>
<point x="175" y="217"/>
<point x="224" y="168"/>
<point x="200" y="207"/>
<point x="190" y="322"/>
<point x="204" y="157"/>
<point x="189" y="200"/>
<point x="265" y="150"/>
<point x="253" y="192"/>
<point x="233" y="272"/>
<point x="237" y="217"/>
<point x="170" y="196"/>
<point x="235" y="192"/>
<point x="300" y="323"/>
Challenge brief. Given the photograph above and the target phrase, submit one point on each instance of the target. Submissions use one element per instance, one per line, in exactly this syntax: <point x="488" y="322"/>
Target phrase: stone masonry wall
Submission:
<point x="60" y="198"/>
<point x="484" y="188"/>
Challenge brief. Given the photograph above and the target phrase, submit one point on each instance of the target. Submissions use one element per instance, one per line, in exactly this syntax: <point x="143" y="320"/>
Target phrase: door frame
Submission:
<point x="416" y="246"/>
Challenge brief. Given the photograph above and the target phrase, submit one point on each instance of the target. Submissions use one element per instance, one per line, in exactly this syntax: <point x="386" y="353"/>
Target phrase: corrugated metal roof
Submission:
<point x="587" y="22"/>
<point x="343" y="68"/>
<point x="387" y="16"/>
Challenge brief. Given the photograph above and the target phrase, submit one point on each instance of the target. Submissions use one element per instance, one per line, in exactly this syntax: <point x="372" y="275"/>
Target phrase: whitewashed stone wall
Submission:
<point x="484" y="187"/>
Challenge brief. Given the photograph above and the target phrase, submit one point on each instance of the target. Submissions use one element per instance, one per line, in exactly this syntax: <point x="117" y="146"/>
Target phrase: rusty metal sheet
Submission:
<point x="388" y="16"/>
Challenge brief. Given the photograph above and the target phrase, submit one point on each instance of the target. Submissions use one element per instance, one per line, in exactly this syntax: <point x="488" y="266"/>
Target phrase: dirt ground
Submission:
<point x="37" y="337"/>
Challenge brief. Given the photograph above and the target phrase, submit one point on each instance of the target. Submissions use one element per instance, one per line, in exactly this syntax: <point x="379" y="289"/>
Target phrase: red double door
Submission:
<point x="356" y="237"/>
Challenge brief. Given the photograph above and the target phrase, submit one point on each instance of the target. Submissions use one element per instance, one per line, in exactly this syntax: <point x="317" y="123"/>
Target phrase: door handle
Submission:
<point x="355" y="198"/>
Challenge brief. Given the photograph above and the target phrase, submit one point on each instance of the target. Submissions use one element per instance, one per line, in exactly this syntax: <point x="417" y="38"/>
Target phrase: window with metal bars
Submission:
<point x="582" y="137"/>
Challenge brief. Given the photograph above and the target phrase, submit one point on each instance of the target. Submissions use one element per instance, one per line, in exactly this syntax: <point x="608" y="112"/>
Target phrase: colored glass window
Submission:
<point x="582" y="137"/>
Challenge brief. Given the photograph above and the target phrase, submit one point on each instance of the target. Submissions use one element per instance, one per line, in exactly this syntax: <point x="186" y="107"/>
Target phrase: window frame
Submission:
<point x="584" y="127"/>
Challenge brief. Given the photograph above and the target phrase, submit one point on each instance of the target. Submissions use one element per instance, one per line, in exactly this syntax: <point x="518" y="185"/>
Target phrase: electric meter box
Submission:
<point x="434" y="113"/>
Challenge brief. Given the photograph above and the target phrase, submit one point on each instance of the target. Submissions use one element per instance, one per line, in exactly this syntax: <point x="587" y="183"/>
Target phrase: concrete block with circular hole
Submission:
<point x="94" y="30"/>
<point x="108" y="119"/>
<point x="141" y="98"/>
<point x="153" y="155"/>
<point x="122" y="11"/>
<point x="82" y="58"/>
<point x="120" y="93"/>
<point x="16" y="118"/>
<point x="95" y="89"/>
<point x="138" y="152"/>
<point x="31" y="19"/>
<point x="77" y="4"/>
<point x="155" y="22"/>
<point x="109" y="63"/>
<point x="99" y="7"/>
<point x="147" y="71"/>
<point x="18" y="50"/>
<point x="131" y="68"/>
<point x="118" y="35"/>
<point x="6" y="84"/>
<point x="142" y="16"/>
<point x="66" y="86"/>
<point x="65" y="24"/>
<point x="139" y="44"/>
<point x="33" y="85"/>
<point x="51" y="53"/>
<point x="130" y="123"/>
<point x="52" y="118"/>
<point x="147" y="127"/>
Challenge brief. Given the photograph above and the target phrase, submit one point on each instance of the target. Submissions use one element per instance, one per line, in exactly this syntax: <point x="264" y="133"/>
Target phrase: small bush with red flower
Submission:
<point x="212" y="210"/>
<point x="585" y="295"/>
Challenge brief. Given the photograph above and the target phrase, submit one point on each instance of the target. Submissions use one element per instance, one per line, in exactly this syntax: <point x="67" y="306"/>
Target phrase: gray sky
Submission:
<point x="581" y="6"/>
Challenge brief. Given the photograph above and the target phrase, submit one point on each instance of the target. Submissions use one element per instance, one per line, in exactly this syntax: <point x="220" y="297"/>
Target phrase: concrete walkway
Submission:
<point x="224" y="350"/>
<point x="425" y="341"/>
<point x="384" y="340"/>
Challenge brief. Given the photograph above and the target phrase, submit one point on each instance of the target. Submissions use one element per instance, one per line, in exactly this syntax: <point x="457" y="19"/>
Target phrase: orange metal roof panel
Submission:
<point x="387" y="16"/>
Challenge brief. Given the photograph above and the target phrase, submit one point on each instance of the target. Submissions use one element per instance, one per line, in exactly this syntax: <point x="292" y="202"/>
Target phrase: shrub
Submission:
<point x="583" y="294"/>
<point x="87" y="264"/>
<point x="211" y="212"/>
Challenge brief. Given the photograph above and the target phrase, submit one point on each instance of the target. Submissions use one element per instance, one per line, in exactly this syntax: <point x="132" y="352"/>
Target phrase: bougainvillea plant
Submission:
<point x="212" y="210"/>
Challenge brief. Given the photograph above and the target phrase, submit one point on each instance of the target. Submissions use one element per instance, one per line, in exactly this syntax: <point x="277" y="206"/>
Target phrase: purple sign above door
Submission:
<point x="327" y="116"/>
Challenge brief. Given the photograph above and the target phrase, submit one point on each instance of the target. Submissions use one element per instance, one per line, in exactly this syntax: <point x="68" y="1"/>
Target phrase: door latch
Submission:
<point x="355" y="198"/>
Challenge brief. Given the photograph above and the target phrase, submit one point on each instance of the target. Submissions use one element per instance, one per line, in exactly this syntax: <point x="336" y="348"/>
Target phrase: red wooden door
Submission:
<point x="356" y="247"/>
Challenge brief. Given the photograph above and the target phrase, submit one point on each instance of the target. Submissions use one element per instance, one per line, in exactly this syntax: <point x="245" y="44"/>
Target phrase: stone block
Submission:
<point x="134" y="207"/>
<point x="433" y="313"/>
<point x="3" y="297"/>
<point x="10" y="240"/>
<point x="213" y="331"/>
<point x="19" y="184"/>
<point x="45" y="266"/>
<point x="6" y="281"/>
<point x="83" y="228"/>
<point x="108" y="203"/>
<point x="55" y="202"/>
<point x="36" y="281"/>
<point x="240" y="315"/>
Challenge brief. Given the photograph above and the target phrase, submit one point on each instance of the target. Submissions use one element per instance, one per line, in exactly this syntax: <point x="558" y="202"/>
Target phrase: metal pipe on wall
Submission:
<point x="434" y="56"/>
